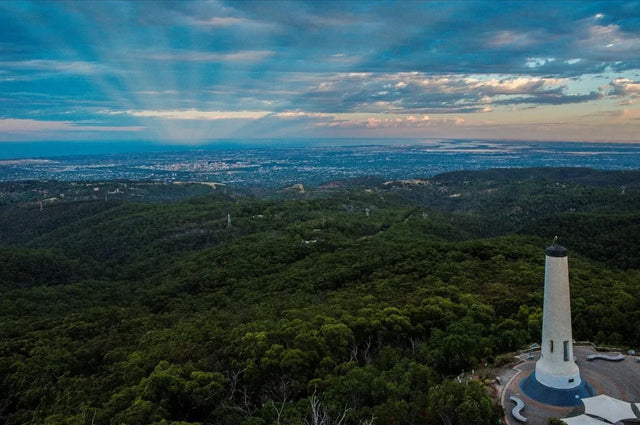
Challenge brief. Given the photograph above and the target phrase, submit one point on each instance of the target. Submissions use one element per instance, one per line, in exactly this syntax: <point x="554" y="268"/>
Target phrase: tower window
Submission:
<point x="551" y="349"/>
<point x="566" y="351"/>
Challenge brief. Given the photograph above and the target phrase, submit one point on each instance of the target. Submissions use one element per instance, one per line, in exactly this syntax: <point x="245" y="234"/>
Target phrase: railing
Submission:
<point x="601" y="349"/>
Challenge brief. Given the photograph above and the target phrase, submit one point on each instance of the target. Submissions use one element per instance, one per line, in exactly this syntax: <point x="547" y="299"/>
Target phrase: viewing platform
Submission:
<point x="617" y="379"/>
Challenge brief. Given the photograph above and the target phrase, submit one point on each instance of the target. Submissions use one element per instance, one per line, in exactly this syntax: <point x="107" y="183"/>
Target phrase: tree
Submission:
<point x="452" y="403"/>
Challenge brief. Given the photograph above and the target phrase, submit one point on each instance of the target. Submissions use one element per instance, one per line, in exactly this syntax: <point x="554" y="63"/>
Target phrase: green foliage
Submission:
<point x="145" y="312"/>
<point x="452" y="403"/>
<point x="24" y="268"/>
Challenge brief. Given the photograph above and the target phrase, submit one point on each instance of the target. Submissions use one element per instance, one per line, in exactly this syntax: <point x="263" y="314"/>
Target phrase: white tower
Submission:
<point x="556" y="367"/>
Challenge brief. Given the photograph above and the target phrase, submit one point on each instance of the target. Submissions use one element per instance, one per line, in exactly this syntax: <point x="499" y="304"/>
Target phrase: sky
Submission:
<point x="188" y="72"/>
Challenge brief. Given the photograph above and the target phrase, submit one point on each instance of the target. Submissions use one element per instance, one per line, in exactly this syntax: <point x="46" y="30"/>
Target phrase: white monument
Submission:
<point x="556" y="367"/>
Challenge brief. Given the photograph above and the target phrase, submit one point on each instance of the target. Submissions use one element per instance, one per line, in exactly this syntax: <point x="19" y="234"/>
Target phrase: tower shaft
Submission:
<point x="556" y="367"/>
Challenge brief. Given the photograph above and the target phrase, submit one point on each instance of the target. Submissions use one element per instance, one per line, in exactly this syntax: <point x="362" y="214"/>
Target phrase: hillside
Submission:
<point x="364" y="297"/>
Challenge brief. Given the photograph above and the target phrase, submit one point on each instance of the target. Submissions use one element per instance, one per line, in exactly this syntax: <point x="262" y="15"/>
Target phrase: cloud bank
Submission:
<point x="201" y="70"/>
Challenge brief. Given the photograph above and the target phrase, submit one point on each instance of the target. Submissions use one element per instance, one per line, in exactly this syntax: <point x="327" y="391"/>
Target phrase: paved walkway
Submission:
<point x="616" y="379"/>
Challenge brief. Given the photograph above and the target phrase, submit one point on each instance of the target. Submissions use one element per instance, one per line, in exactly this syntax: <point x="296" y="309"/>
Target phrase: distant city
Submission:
<point x="283" y="166"/>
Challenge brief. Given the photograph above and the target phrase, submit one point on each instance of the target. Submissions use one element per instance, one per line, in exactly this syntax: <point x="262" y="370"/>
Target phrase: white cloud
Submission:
<point x="344" y="59"/>
<point x="12" y="125"/>
<point x="625" y="87"/>
<point x="612" y="39"/>
<point x="399" y="122"/>
<point x="538" y="62"/>
<point x="199" y="56"/>
<point x="221" y="21"/>
<point x="72" y="67"/>
<point x="422" y="93"/>
<point x="192" y="114"/>
<point x="33" y="125"/>
<point x="302" y="114"/>
<point x="423" y="119"/>
<point x="157" y="92"/>
<point x="511" y="38"/>
<point x="517" y="85"/>
<point x="448" y="83"/>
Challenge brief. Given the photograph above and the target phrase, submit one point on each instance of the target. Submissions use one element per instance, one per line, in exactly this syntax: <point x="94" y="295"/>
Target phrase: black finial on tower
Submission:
<point x="556" y="250"/>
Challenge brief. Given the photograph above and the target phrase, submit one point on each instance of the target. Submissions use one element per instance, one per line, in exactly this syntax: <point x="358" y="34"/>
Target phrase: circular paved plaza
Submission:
<point x="616" y="379"/>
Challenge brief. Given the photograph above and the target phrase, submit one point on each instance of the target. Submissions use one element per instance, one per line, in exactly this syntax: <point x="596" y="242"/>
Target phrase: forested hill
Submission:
<point x="143" y="303"/>
<point x="577" y="175"/>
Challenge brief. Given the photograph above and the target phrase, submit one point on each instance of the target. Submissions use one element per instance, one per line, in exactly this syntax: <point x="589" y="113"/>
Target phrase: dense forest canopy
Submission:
<point x="358" y="300"/>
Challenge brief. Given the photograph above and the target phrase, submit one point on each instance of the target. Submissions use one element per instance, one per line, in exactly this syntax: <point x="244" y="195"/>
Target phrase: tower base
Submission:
<point x="554" y="396"/>
<point x="568" y="379"/>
